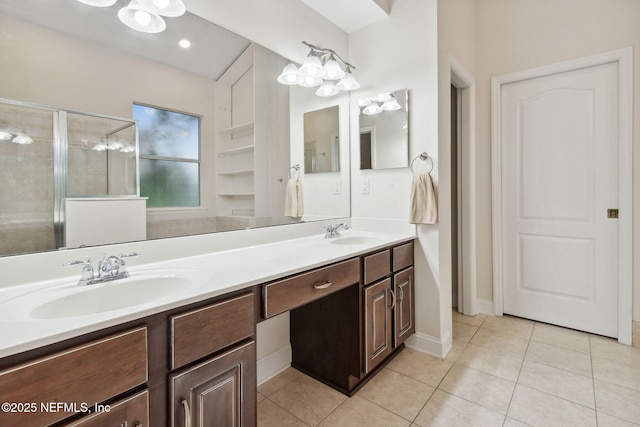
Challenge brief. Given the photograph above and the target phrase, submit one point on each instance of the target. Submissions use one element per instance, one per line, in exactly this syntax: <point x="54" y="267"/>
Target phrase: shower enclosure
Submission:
<point x="50" y="157"/>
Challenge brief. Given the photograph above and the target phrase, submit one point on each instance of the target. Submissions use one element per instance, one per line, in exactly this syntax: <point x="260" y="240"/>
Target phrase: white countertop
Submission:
<point x="213" y="275"/>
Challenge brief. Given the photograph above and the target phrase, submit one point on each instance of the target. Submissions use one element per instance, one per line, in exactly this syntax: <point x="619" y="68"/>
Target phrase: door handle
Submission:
<point x="187" y="413"/>
<point x="393" y="299"/>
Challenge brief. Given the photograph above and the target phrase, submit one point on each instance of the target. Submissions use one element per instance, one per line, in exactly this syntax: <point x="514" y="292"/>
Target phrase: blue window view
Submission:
<point x="169" y="157"/>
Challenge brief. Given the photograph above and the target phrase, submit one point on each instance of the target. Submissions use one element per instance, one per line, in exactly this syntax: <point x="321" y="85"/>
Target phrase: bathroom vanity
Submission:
<point x="195" y="357"/>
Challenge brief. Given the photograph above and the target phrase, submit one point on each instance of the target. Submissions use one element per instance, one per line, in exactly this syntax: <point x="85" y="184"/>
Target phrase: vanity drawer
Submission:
<point x="377" y="266"/>
<point x="86" y="374"/>
<point x="198" y="333"/>
<point x="402" y="256"/>
<point x="298" y="290"/>
<point x="132" y="411"/>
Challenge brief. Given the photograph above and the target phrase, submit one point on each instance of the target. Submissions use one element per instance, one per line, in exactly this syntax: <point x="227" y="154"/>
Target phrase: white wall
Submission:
<point x="398" y="53"/>
<point x="517" y="35"/>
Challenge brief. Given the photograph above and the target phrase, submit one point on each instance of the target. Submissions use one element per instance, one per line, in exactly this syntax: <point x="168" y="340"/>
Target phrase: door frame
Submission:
<point x="467" y="231"/>
<point x="624" y="59"/>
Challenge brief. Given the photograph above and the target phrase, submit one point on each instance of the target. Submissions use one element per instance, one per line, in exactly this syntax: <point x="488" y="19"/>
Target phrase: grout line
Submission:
<point x="593" y="382"/>
<point x="519" y="372"/>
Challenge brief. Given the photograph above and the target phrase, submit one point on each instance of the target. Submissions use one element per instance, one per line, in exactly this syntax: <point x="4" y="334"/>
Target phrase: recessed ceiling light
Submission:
<point x="185" y="44"/>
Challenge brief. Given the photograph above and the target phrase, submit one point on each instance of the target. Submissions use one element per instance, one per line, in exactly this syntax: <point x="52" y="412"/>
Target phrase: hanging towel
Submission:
<point x="293" y="199"/>
<point x="424" y="207"/>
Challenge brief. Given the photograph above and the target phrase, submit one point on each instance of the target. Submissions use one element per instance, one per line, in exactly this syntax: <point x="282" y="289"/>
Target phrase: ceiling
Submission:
<point x="213" y="48"/>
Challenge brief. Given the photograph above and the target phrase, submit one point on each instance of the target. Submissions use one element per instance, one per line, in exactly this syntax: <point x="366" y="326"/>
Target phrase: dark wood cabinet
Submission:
<point x="344" y="338"/>
<point x="404" y="310"/>
<point x="218" y="392"/>
<point x="378" y="309"/>
<point x="130" y="412"/>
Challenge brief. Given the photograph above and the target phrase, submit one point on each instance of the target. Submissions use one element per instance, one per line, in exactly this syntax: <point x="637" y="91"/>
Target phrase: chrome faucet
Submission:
<point x="334" y="230"/>
<point x="109" y="268"/>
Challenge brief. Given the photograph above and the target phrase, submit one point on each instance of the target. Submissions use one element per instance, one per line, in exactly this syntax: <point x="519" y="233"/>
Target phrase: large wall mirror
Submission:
<point x="81" y="59"/>
<point x="384" y="130"/>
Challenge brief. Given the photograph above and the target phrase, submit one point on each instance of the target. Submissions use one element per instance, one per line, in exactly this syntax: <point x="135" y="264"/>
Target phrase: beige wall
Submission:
<point x="517" y="35"/>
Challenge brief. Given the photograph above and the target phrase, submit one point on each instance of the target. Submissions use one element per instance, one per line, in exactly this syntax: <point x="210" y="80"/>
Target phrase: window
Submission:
<point x="169" y="157"/>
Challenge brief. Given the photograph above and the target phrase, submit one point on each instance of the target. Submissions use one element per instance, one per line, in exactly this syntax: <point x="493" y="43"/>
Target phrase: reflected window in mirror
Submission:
<point x="384" y="130"/>
<point x="169" y="157"/>
<point x="322" y="140"/>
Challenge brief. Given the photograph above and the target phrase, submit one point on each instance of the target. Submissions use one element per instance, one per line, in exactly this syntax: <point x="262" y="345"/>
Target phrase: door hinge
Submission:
<point x="612" y="213"/>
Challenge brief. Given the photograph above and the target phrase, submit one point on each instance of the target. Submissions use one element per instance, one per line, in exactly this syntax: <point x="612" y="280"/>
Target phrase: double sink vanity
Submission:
<point x="174" y="344"/>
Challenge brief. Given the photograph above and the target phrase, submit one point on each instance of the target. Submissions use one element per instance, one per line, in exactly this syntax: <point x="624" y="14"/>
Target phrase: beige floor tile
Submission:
<point x="558" y="382"/>
<point x="260" y="398"/>
<point x="397" y="393"/>
<point x="609" y="348"/>
<point x="541" y="409"/>
<point x="509" y="324"/>
<point x="569" y="360"/>
<point x="618" y="401"/>
<point x="276" y="383"/>
<point x="447" y="410"/>
<point x="457" y="347"/>
<point x="420" y="366"/>
<point x="513" y="345"/>
<point x="484" y="389"/>
<point x="358" y="412"/>
<point x="619" y="372"/>
<point x="469" y="320"/>
<point x="271" y="415"/>
<point x="561" y="337"/>
<point x="308" y="399"/>
<point x="463" y="331"/>
<point x="636" y="334"/>
<point x="605" y="420"/>
<point x="491" y="362"/>
<point x="510" y="422"/>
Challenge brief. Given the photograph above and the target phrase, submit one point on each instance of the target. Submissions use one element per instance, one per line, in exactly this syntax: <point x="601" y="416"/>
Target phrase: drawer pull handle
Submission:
<point x="393" y="299"/>
<point x="322" y="285"/>
<point x="187" y="413"/>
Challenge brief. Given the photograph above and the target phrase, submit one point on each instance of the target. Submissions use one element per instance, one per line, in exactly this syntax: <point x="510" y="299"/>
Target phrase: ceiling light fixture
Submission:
<point x="184" y="43"/>
<point x="322" y="67"/>
<point x="168" y="8"/>
<point x="99" y="3"/>
<point x="140" y="19"/>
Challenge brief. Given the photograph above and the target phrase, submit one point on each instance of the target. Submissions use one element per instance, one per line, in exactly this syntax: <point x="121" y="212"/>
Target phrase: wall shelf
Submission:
<point x="237" y="195"/>
<point x="239" y="150"/>
<point x="233" y="130"/>
<point x="238" y="172"/>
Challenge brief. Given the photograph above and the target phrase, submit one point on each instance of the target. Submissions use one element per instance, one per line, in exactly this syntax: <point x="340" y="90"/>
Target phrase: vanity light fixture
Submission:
<point x="22" y="139"/>
<point x="385" y="101"/>
<point x="322" y="67"/>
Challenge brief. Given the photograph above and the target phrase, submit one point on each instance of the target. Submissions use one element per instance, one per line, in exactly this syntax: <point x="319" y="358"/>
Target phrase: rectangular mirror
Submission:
<point x="70" y="56"/>
<point x="384" y="130"/>
<point x="322" y="141"/>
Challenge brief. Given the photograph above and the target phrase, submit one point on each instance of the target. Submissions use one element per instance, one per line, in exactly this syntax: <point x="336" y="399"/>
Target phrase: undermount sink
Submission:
<point x="115" y="295"/>
<point x="352" y="240"/>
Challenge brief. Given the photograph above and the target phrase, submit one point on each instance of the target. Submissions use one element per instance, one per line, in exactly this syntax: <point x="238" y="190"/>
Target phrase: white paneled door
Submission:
<point x="559" y="184"/>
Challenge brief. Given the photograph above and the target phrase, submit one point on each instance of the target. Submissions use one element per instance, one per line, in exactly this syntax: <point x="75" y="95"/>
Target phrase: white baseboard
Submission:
<point x="438" y="347"/>
<point x="274" y="363"/>
<point x="485" y="306"/>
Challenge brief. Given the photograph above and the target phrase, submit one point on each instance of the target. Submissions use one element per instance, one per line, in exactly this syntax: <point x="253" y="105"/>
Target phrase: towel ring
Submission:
<point x="295" y="168"/>
<point x="422" y="156"/>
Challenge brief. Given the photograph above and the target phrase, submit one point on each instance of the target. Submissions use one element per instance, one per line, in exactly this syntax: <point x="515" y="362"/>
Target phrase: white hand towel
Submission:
<point x="424" y="206"/>
<point x="293" y="199"/>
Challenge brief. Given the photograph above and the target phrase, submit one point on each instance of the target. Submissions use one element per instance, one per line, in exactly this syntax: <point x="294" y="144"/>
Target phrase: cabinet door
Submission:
<point x="129" y="412"/>
<point x="404" y="322"/>
<point x="218" y="392"/>
<point x="378" y="303"/>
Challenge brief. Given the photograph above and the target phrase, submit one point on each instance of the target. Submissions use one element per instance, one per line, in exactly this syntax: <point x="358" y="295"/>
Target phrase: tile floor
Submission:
<point x="502" y="371"/>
